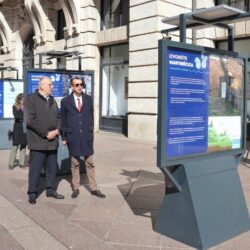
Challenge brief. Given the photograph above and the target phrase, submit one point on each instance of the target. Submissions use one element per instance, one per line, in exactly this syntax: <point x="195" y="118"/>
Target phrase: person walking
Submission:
<point x="19" y="136"/>
<point x="77" y="132"/>
<point x="43" y="124"/>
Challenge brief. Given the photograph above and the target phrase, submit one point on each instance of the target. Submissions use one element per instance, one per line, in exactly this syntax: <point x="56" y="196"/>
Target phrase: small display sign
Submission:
<point x="9" y="89"/>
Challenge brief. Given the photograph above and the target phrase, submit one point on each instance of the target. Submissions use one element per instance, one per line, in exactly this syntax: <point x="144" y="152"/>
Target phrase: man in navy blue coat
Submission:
<point x="77" y="132"/>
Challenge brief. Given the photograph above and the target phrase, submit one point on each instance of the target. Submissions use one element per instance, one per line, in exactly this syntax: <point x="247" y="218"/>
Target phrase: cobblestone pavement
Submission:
<point x="127" y="173"/>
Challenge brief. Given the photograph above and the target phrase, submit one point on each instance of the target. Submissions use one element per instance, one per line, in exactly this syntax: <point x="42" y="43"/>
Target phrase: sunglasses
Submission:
<point x="77" y="85"/>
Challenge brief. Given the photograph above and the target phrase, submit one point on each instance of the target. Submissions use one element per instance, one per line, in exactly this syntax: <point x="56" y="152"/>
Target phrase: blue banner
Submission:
<point x="187" y="102"/>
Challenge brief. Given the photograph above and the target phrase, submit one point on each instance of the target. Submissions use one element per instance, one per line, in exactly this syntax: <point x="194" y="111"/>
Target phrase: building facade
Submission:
<point x="117" y="39"/>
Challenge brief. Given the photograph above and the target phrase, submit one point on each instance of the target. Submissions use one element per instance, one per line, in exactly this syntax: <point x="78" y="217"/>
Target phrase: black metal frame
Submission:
<point x="199" y="22"/>
<point x="53" y="56"/>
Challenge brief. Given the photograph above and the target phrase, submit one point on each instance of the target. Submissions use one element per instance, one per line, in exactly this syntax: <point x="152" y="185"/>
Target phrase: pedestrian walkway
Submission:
<point x="127" y="173"/>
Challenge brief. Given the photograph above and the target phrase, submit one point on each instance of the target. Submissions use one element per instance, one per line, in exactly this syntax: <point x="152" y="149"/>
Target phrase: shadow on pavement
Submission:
<point x="146" y="192"/>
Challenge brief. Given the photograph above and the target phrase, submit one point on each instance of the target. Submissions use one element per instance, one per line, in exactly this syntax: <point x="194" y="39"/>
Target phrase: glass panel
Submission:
<point x="120" y="52"/>
<point x="239" y="4"/>
<point x="115" y="13"/>
<point x="115" y="81"/>
<point x="106" y="22"/>
<point x="118" y="101"/>
<point x="115" y="54"/>
<point x="114" y="90"/>
<point x="239" y="46"/>
<point x="105" y="91"/>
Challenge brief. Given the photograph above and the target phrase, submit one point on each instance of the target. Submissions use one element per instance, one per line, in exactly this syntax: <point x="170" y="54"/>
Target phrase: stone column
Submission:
<point x="145" y="26"/>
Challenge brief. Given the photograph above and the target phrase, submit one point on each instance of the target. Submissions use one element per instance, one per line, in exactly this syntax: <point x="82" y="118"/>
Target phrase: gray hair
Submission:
<point x="43" y="78"/>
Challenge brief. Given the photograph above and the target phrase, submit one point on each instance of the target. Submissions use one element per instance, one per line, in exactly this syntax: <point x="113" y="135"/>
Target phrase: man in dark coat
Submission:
<point x="77" y="132"/>
<point x="43" y="124"/>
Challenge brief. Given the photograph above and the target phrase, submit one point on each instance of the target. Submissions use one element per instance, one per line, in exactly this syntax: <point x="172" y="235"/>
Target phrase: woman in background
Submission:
<point x="19" y="136"/>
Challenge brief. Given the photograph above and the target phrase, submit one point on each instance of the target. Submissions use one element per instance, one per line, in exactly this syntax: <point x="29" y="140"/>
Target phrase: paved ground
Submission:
<point x="127" y="174"/>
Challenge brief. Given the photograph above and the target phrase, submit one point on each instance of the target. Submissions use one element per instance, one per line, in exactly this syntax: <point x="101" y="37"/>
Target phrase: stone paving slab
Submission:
<point x="7" y="241"/>
<point x="27" y="234"/>
<point x="134" y="186"/>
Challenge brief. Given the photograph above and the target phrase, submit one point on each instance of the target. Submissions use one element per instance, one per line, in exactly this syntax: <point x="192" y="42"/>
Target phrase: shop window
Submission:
<point x="115" y="13"/>
<point x="114" y="81"/>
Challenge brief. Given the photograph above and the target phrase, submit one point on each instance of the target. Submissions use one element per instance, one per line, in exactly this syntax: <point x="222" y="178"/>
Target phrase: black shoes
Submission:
<point x="50" y="193"/>
<point x="98" y="193"/>
<point x="32" y="199"/>
<point x="54" y="194"/>
<point x="75" y="194"/>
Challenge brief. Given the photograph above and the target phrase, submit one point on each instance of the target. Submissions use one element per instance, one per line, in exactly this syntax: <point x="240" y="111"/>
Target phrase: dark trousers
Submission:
<point x="38" y="159"/>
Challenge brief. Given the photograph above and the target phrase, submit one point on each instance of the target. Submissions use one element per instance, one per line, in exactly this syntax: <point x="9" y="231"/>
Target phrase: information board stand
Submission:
<point x="210" y="207"/>
<point x="201" y="133"/>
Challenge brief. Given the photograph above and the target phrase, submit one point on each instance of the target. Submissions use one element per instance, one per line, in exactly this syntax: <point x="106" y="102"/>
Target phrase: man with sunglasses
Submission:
<point x="77" y="132"/>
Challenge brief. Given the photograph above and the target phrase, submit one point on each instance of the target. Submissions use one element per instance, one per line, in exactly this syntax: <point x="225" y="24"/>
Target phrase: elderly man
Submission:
<point x="43" y="123"/>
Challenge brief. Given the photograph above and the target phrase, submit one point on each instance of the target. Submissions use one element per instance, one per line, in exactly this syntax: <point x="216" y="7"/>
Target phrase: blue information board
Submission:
<point x="9" y="89"/>
<point x="187" y="102"/>
<point x="57" y="79"/>
<point x="61" y="81"/>
<point x="200" y="102"/>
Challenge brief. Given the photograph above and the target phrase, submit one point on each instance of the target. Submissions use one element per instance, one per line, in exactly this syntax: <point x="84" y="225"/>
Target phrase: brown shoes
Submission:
<point x="75" y="194"/>
<point x="98" y="193"/>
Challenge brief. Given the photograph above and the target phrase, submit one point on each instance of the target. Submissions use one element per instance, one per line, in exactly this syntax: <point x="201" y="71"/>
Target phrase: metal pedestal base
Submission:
<point x="210" y="207"/>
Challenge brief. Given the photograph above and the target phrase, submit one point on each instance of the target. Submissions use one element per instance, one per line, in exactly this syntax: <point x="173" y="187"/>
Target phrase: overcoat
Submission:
<point x="41" y="116"/>
<point x="77" y="127"/>
<point x="19" y="137"/>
